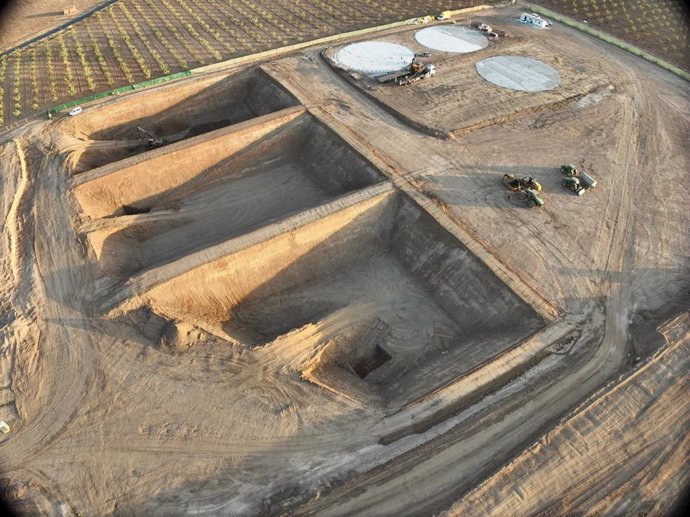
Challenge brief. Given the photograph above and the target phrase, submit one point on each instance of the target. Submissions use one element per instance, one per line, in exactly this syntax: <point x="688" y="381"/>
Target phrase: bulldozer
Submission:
<point x="531" y="197"/>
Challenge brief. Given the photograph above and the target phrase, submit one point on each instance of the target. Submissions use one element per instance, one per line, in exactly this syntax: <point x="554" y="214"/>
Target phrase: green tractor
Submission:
<point x="531" y="197"/>
<point x="574" y="185"/>
<point x="577" y="181"/>
<point x="569" y="170"/>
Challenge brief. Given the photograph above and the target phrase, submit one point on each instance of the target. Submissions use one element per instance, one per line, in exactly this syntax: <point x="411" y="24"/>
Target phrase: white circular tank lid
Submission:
<point x="373" y="57"/>
<point x="519" y="73"/>
<point x="451" y="38"/>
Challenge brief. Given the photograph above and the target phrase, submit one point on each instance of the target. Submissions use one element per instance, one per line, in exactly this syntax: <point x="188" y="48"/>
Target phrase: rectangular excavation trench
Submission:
<point x="175" y="204"/>
<point x="415" y="308"/>
<point x="172" y="113"/>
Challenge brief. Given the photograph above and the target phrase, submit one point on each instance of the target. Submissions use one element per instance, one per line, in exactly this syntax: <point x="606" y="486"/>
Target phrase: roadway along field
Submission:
<point x="134" y="40"/>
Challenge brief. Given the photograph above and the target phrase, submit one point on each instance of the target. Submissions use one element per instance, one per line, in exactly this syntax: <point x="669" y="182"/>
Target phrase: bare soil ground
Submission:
<point x="302" y="304"/>
<point x="23" y="19"/>
<point x="469" y="98"/>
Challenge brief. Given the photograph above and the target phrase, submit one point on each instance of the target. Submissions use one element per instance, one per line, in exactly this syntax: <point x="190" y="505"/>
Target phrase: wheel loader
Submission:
<point x="516" y="184"/>
<point x="530" y="182"/>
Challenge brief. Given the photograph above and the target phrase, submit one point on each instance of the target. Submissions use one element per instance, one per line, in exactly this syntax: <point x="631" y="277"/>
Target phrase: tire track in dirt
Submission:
<point x="53" y="268"/>
<point x="17" y="332"/>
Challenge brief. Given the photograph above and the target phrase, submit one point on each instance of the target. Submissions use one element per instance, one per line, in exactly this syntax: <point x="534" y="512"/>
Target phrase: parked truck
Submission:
<point x="409" y="74"/>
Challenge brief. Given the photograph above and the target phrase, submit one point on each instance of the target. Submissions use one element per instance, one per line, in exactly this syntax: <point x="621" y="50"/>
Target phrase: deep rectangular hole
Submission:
<point x="437" y="310"/>
<point x="298" y="165"/>
<point x="171" y="114"/>
<point x="365" y="365"/>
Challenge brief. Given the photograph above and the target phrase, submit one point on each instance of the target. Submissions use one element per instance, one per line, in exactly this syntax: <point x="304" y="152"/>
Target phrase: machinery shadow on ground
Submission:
<point x="484" y="187"/>
<point x="234" y="99"/>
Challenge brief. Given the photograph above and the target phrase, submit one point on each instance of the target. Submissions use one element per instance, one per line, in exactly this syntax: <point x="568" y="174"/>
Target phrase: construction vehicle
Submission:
<point x="577" y="181"/>
<point x="531" y="197"/>
<point x="422" y="72"/>
<point x="530" y="182"/>
<point x="569" y="170"/>
<point x="4" y="427"/>
<point x="573" y="183"/>
<point x="512" y="182"/>
<point x="517" y="184"/>
<point x="481" y="26"/>
<point x="152" y="140"/>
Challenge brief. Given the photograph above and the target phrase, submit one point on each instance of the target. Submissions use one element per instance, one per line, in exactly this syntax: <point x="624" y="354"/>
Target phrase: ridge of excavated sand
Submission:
<point x="147" y="280"/>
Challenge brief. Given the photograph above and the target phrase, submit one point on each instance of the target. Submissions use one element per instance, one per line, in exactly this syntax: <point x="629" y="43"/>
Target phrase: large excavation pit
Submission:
<point x="153" y="211"/>
<point x="396" y="304"/>
<point x="170" y="114"/>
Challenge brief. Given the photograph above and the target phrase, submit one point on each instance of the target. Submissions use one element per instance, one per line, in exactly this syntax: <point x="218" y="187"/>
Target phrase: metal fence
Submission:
<point x="121" y="89"/>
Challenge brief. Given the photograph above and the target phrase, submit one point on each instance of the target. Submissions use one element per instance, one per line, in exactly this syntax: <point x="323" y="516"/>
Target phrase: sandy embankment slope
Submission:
<point x="620" y="455"/>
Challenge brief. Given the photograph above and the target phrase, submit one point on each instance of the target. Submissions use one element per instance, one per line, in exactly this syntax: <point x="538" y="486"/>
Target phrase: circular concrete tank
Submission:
<point x="373" y="57"/>
<point x="451" y="38"/>
<point x="519" y="73"/>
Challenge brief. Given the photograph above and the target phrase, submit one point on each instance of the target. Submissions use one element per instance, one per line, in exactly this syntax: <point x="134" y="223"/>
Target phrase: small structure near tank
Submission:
<point x="408" y="74"/>
<point x="534" y="19"/>
<point x="4" y="427"/>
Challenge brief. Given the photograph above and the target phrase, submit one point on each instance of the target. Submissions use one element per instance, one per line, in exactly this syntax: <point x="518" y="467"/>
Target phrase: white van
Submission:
<point x="75" y="111"/>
